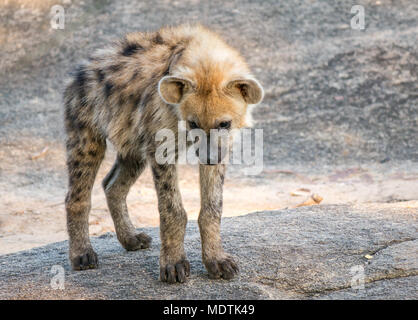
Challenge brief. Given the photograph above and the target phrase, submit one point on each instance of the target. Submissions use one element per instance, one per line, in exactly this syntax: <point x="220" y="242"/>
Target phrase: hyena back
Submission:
<point x="125" y="94"/>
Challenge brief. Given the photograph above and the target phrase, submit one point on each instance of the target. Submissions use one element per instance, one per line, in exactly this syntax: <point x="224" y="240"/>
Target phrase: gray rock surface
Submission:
<point x="305" y="253"/>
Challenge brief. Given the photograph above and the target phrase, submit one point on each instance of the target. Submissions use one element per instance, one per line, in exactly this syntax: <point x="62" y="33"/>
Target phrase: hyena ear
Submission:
<point x="250" y="89"/>
<point x="172" y="89"/>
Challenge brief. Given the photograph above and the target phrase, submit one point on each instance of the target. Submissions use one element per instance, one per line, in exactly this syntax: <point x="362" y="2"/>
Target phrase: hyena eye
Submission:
<point x="193" y="125"/>
<point x="225" y="125"/>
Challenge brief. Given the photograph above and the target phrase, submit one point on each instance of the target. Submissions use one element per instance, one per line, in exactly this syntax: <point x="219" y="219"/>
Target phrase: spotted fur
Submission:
<point x="124" y="94"/>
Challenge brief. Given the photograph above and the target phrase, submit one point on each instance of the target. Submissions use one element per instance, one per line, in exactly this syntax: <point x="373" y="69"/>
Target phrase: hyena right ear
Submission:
<point x="172" y="89"/>
<point x="249" y="88"/>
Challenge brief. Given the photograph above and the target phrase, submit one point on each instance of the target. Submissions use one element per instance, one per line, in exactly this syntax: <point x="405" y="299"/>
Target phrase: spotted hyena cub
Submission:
<point x="127" y="93"/>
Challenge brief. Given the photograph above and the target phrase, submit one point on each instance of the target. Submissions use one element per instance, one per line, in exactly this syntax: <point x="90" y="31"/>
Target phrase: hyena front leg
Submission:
<point x="117" y="183"/>
<point x="85" y="152"/>
<point x="218" y="263"/>
<point x="174" y="267"/>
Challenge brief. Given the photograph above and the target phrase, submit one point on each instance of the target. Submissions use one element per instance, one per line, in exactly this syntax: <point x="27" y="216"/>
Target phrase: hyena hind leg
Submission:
<point x="116" y="185"/>
<point x="85" y="152"/>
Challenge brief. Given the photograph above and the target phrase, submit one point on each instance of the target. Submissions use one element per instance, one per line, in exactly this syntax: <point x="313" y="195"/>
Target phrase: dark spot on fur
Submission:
<point x="97" y="140"/>
<point x="138" y="164"/>
<point x="115" y="67"/>
<point x="100" y="75"/>
<point x="135" y="98"/>
<point x="125" y="144"/>
<point x="166" y="187"/>
<point x="92" y="153"/>
<point x="158" y="39"/>
<point x="70" y="126"/>
<point x="122" y="99"/>
<point x="169" y="205"/>
<point x="71" y="144"/>
<point x="108" y="88"/>
<point x="166" y="72"/>
<point x="134" y="75"/>
<point x="80" y="125"/>
<point x="71" y="123"/>
<point x="155" y="173"/>
<point x="131" y="48"/>
<point x="78" y="174"/>
<point x="163" y="169"/>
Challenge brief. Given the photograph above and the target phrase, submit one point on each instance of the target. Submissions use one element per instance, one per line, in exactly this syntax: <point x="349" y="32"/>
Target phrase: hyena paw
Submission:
<point x="136" y="242"/>
<point x="224" y="267"/>
<point x="85" y="260"/>
<point x="177" y="272"/>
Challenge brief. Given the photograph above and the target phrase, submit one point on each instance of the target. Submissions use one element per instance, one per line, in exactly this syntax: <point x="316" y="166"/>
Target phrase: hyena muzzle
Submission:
<point x="125" y="94"/>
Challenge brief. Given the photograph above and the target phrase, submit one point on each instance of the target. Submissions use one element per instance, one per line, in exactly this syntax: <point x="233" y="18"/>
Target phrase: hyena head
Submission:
<point x="213" y="105"/>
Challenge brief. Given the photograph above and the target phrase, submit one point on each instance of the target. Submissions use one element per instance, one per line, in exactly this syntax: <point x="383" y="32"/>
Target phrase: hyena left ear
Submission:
<point x="250" y="89"/>
<point x="172" y="89"/>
